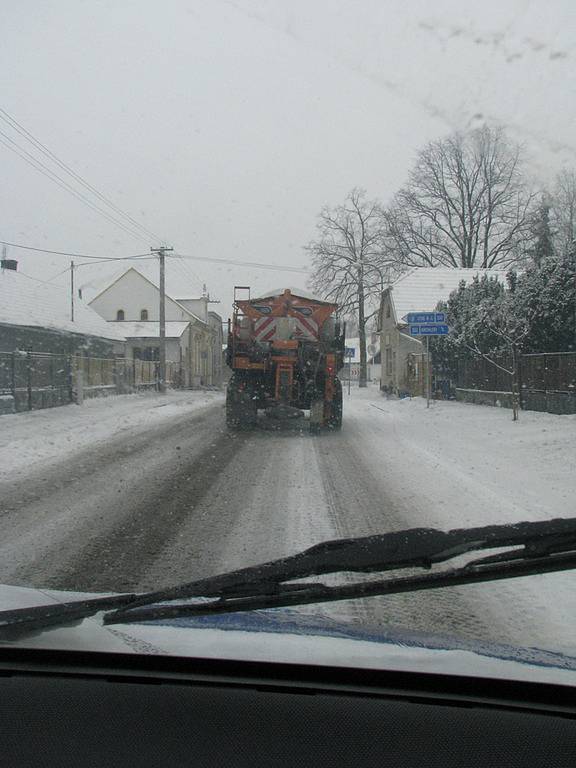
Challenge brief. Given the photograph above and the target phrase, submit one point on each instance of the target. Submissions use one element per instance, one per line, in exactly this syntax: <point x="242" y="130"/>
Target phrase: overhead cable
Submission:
<point x="45" y="171"/>
<point x="77" y="255"/>
<point x="257" y="265"/>
<point x="20" y="129"/>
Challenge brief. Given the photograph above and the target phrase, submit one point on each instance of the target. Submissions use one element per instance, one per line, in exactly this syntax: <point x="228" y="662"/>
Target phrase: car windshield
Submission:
<point x="279" y="274"/>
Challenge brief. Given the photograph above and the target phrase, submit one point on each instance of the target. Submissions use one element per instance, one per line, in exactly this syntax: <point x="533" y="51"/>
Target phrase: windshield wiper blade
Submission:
<point x="307" y="594"/>
<point x="539" y="547"/>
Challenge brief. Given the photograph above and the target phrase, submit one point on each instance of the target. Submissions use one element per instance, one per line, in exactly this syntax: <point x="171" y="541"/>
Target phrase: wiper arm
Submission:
<point x="21" y="622"/>
<point x="540" y="547"/>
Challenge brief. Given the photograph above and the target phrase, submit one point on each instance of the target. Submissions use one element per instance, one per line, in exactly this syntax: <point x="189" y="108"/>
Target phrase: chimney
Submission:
<point x="9" y="264"/>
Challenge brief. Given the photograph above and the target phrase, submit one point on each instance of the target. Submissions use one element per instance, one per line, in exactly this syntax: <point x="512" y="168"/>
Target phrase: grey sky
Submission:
<point x="225" y="126"/>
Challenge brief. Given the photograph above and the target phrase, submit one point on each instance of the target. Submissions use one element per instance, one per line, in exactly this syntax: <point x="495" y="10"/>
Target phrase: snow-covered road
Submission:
<point x="143" y="491"/>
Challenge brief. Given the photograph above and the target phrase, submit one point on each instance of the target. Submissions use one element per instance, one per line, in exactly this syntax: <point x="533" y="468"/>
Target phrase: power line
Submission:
<point x="19" y="128"/>
<point x="62" y="272"/>
<point x="189" y="272"/>
<point x="118" y="258"/>
<point x="76" y="255"/>
<point x="36" y="279"/>
<point x="145" y="256"/>
<point x="98" y="261"/>
<point x="258" y="265"/>
<point x="45" y="171"/>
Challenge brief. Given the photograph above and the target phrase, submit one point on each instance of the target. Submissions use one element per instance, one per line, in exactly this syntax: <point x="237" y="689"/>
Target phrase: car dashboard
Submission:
<point x="95" y="709"/>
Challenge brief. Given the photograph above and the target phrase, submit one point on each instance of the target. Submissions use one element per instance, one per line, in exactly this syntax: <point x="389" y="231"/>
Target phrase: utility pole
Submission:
<point x="72" y="291"/>
<point x="162" y="351"/>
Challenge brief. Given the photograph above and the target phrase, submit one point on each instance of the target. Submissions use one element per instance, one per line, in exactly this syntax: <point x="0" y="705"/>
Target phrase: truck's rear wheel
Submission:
<point x="335" y="420"/>
<point x="241" y="408"/>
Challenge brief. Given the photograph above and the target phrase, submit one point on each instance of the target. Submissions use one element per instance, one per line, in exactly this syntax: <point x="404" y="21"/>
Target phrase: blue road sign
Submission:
<point x="349" y="352"/>
<point x="429" y="329"/>
<point x="425" y="317"/>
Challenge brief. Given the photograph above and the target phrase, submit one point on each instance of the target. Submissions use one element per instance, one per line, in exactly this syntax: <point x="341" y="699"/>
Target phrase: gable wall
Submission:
<point x="132" y="293"/>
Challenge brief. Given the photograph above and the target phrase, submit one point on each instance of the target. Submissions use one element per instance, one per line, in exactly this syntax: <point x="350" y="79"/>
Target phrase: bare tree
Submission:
<point x="465" y="205"/>
<point x="349" y="266"/>
<point x="563" y="210"/>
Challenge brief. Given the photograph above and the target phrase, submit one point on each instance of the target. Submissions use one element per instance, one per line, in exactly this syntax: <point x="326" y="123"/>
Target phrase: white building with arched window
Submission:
<point x="131" y="300"/>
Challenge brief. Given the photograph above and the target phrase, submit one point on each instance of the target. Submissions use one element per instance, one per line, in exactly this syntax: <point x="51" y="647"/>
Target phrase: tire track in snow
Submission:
<point x="127" y="445"/>
<point x="267" y="503"/>
<point x="114" y="561"/>
<point x="361" y="506"/>
<point x="44" y="538"/>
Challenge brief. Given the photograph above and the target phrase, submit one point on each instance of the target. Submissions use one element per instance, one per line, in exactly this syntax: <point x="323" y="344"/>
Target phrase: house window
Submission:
<point x="143" y="314"/>
<point x="387" y="310"/>
<point x="120" y="315"/>
<point x="149" y="354"/>
<point x="152" y="354"/>
<point x="388" y="361"/>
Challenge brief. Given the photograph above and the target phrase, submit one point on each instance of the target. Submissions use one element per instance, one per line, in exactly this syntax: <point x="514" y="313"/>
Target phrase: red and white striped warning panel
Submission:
<point x="305" y="329"/>
<point x="265" y="328"/>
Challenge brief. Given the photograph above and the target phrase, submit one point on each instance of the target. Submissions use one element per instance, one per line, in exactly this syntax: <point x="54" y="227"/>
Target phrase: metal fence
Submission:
<point x="31" y="380"/>
<point x="547" y="381"/>
<point x="484" y="375"/>
<point x="550" y="372"/>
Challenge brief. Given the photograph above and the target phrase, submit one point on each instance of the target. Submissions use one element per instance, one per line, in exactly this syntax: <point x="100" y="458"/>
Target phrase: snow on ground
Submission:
<point x="260" y="494"/>
<point x="457" y="465"/>
<point x="52" y="434"/>
<point x="462" y="465"/>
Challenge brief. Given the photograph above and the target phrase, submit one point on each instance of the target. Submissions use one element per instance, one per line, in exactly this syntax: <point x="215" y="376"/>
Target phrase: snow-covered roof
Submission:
<point x="423" y="287"/>
<point x="150" y="329"/>
<point x="28" y="302"/>
<point x="294" y="291"/>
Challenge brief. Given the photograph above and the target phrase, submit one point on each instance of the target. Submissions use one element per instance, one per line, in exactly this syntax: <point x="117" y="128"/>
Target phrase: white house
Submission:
<point x="131" y="301"/>
<point x="418" y="290"/>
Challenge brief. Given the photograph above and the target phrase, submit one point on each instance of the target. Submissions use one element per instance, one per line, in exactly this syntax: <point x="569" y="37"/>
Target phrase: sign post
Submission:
<point x="427" y="371"/>
<point x="349" y="353"/>
<point x="427" y="324"/>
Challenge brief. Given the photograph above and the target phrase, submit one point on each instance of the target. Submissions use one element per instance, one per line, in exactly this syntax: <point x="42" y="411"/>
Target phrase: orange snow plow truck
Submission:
<point x="285" y="350"/>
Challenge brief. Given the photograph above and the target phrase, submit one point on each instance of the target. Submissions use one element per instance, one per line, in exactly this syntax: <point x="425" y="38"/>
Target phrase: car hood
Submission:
<point x="295" y="637"/>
